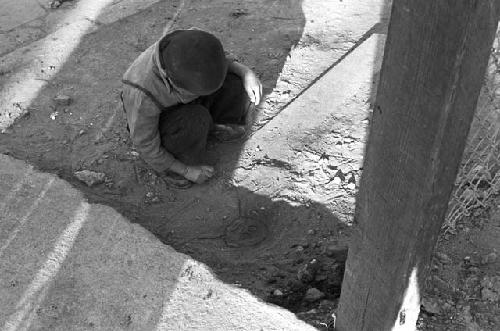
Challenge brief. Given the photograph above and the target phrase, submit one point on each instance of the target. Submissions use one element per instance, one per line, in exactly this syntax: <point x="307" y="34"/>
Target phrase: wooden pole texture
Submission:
<point x="435" y="57"/>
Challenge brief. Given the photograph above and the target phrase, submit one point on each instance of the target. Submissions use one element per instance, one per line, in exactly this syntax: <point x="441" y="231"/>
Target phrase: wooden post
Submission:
<point x="435" y="58"/>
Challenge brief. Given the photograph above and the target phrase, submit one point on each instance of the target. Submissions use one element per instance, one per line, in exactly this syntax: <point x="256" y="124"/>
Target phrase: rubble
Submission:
<point x="307" y="273"/>
<point x="313" y="294"/>
<point x="62" y="100"/>
<point x="90" y="178"/>
<point x="431" y="306"/>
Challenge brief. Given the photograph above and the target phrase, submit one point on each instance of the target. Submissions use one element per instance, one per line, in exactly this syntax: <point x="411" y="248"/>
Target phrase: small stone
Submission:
<point x="345" y="168"/>
<point x="277" y="293"/>
<point x="56" y="4"/>
<point x="299" y="249"/>
<point x="90" y="178"/>
<point x="311" y="232"/>
<point x="351" y="186"/>
<point x="54" y="115"/>
<point x="443" y="258"/>
<point x="62" y="100"/>
<point x="490" y="258"/>
<point x="307" y="273"/>
<point x="313" y="294"/>
<point x="337" y="180"/>
<point x="431" y="306"/>
<point x="155" y="200"/>
<point x="339" y="253"/>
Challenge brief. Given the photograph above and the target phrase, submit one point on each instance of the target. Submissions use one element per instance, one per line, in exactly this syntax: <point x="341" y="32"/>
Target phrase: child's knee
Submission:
<point x="184" y="126"/>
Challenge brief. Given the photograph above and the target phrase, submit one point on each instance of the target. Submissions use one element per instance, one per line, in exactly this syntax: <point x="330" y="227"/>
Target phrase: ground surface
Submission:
<point x="292" y="183"/>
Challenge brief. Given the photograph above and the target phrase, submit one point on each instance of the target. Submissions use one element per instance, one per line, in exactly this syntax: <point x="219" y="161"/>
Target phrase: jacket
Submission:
<point x="146" y="94"/>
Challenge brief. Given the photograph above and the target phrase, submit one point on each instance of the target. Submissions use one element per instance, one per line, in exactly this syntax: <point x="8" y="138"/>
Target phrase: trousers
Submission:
<point x="184" y="129"/>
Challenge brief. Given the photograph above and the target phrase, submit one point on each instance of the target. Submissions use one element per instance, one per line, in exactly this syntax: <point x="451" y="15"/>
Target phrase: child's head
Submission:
<point x="194" y="61"/>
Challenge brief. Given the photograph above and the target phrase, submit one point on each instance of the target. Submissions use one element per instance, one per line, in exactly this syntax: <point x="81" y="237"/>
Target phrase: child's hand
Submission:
<point x="253" y="87"/>
<point x="199" y="174"/>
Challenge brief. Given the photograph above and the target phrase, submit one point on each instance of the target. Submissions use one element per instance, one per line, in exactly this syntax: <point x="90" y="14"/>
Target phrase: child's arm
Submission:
<point x="252" y="85"/>
<point x="143" y="117"/>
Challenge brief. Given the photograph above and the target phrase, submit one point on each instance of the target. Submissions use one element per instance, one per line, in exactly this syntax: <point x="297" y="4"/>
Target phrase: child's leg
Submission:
<point x="184" y="131"/>
<point x="229" y="104"/>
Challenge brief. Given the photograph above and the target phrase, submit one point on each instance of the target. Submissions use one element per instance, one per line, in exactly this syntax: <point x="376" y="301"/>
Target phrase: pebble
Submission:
<point x="471" y="260"/>
<point x="307" y="272"/>
<point x="278" y="293"/>
<point x="490" y="258"/>
<point x="339" y="253"/>
<point x="82" y="132"/>
<point x="299" y="249"/>
<point x="90" y="178"/>
<point x="337" y="180"/>
<point x="431" y="306"/>
<point x="62" y="100"/>
<point x="351" y="186"/>
<point x="313" y="294"/>
<point x="54" y="115"/>
<point x="311" y="232"/>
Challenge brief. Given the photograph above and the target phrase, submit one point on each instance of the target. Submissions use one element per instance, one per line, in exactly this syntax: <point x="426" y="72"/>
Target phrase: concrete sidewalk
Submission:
<point x="70" y="265"/>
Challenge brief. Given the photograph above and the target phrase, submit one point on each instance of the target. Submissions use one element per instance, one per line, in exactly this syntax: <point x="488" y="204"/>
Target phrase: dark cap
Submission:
<point x="194" y="60"/>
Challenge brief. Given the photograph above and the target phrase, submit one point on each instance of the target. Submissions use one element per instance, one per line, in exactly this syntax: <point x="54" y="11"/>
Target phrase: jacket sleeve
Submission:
<point x="143" y="117"/>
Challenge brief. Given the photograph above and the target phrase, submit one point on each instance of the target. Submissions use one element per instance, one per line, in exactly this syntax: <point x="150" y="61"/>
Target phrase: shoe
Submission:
<point x="176" y="181"/>
<point x="235" y="132"/>
<point x="228" y="132"/>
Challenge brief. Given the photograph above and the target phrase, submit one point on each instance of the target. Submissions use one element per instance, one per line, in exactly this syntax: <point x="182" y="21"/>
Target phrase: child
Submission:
<point x="176" y="92"/>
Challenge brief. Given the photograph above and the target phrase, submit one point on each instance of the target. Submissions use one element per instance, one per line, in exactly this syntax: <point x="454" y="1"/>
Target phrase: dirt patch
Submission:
<point x="463" y="287"/>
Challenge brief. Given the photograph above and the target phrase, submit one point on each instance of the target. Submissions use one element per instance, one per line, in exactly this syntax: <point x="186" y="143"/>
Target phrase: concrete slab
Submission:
<point x="14" y="13"/>
<point x="305" y="130"/>
<point x="70" y="265"/>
